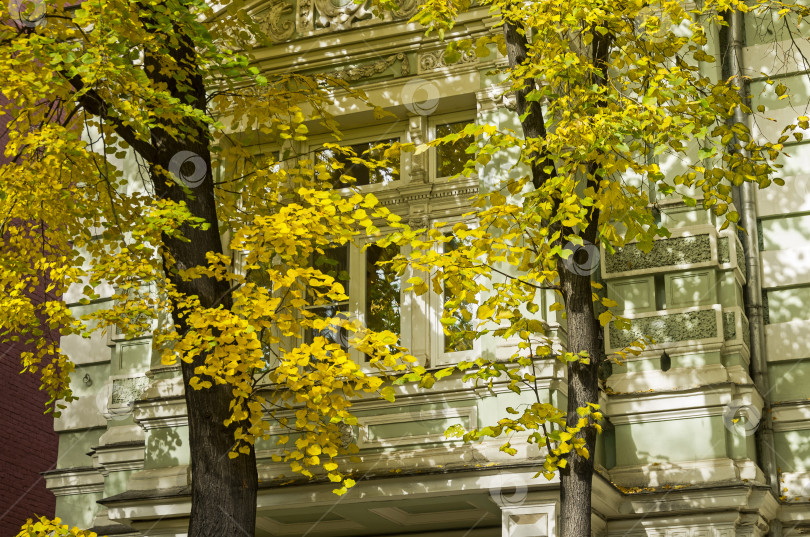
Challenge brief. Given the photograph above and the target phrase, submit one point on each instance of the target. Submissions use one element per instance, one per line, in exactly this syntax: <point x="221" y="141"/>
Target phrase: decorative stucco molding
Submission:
<point x="434" y="59"/>
<point x="673" y="327"/>
<point x="352" y="74"/>
<point x="273" y="24"/>
<point x="665" y="252"/>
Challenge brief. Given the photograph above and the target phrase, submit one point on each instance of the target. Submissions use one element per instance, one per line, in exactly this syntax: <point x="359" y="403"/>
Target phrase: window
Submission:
<point x="383" y="302"/>
<point x="453" y="342"/>
<point x="372" y="286"/>
<point x="343" y="172"/>
<point x="333" y="262"/>
<point x="456" y="336"/>
<point x="450" y="158"/>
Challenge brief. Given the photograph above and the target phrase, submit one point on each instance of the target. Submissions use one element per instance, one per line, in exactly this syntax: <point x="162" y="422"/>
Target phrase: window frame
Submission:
<point x="372" y="134"/>
<point x="439" y="356"/>
<point x="356" y="304"/>
<point x="467" y="116"/>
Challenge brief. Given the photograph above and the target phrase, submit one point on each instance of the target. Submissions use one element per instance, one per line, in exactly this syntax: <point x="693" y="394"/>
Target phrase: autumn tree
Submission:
<point x="128" y="164"/>
<point x="603" y="91"/>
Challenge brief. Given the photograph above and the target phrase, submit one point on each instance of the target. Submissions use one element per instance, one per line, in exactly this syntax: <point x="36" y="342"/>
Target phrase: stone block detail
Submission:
<point x="723" y="251"/>
<point x="690" y="325"/>
<point x="665" y="252"/>
<point x="126" y="391"/>
<point x="729" y="326"/>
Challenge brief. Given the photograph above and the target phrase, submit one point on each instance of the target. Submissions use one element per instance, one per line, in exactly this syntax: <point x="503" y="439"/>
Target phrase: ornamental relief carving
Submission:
<point x="359" y="72"/>
<point x="315" y="15"/>
<point x="407" y="9"/>
<point x="339" y="14"/>
<point x="428" y="61"/>
<point x="271" y="22"/>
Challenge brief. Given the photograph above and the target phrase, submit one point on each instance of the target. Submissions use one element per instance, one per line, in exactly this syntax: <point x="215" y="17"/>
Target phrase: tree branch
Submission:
<point x="532" y="122"/>
<point x="91" y="101"/>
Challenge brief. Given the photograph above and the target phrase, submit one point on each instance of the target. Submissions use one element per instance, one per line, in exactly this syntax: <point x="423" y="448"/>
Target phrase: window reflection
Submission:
<point x="382" y="290"/>
<point x="340" y="168"/>
<point x="335" y="263"/>
<point x="450" y="158"/>
<point x="458" y="336"/>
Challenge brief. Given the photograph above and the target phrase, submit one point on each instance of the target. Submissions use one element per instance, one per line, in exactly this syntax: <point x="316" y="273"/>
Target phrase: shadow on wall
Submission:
<point x="163" y="445"/>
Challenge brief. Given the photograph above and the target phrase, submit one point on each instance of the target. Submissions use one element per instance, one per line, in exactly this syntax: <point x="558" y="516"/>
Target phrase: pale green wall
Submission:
<point x="74" y="447"/>
<point x="785" y="305"/>
<point x="785" y="232"/>
<point x="166" y="446"/>
<point x="670" y="441"/>
<point x="78" y="509"/>
<point x="793" y="450"/>
<point x="789" y="380"/>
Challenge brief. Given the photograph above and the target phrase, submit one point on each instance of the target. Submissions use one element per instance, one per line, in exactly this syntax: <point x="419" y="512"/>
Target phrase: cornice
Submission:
<point x="72" y="481"/>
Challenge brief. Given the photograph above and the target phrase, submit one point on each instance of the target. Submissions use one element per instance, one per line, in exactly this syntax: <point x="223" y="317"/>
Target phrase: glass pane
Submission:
<point x="362" y="174"/>
<point x="450" y="158"/>
<point x="262" y="161"/>
<point x="382" y="290"/>
<point x="455" y="335"/>
<point x="333" y="262"/>
<point x="332" y="333"/>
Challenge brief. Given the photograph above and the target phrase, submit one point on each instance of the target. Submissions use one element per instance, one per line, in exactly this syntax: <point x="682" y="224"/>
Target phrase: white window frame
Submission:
<point x="397" y="129"/>
<point x="356" y="305"/>
<point x="469" y="116"/>
<point x="440" y="357"/>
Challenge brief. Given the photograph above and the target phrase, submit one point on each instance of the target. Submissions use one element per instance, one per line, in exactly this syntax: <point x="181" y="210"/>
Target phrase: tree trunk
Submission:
<point x="533" y="124"/>
<point x="584" y="330"/>
<point x="223" y="489"/>
<point x="584" y="334"/>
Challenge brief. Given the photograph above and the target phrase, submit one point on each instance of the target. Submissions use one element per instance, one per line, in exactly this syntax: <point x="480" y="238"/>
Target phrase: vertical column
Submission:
<point x="418" y="134"/>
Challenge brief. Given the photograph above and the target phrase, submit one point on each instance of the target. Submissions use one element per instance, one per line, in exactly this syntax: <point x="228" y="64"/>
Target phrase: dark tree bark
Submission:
<point x="584" y="334"/>
<point x="533" y="124"/>
<point x="223" y="490"/>
<point x="583" y="328"/>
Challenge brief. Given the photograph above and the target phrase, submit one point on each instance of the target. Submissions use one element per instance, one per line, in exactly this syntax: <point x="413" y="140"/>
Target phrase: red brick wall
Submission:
<point x="28" y="446"/>
<point x="28" y="443"/>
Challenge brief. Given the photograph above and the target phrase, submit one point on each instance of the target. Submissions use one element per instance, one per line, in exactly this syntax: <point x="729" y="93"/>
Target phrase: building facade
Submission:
<point x="685" y="452"/>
